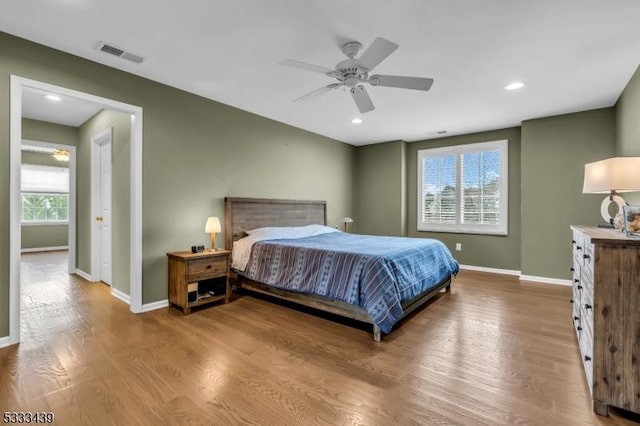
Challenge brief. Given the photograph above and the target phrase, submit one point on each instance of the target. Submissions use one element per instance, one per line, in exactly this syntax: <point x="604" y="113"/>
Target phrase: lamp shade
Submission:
<point x="619" y="174"/>
<point x="213" y="225"/>
<point x="346" y="219"/>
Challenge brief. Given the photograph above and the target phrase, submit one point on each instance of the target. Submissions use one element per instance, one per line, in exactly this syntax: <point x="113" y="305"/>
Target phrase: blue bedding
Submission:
<point x="376" y="273"/>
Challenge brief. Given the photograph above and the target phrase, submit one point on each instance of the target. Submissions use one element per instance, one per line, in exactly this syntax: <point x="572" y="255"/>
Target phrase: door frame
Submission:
<point x="17" y="84"/>
<point x="71" y="243"/>
<point x="97" y="140"/>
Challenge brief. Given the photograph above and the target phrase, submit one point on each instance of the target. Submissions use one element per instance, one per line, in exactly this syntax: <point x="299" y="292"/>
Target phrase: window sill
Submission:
<point x="43" y="223"/>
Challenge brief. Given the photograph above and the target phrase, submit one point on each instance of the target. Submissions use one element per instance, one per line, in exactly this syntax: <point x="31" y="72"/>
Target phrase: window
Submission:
<point x="45" y="194"/>
<point x="464" y="188"/>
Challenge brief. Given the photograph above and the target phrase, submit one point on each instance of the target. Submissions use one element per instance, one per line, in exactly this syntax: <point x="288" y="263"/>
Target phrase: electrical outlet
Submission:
<point x="458" y="246"/>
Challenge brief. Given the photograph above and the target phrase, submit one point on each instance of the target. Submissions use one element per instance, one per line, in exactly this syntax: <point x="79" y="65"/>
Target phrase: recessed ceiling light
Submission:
<point x="514" y="86"/>
<point x="357" y="121"/>
<point x="53" y="98"/>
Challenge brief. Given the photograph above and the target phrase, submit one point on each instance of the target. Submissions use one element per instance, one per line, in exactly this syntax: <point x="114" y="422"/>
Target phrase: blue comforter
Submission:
<point x="376" y="273"/>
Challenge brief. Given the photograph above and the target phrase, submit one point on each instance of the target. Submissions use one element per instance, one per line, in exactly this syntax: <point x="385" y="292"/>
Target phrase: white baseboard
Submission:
<point x="492" y="270"/>
<point x="84" y="275"/>
<point x="5" y="341"/>
<point x="545" y="280"/>
<point x="155" y="305"/>
<point x="120" y="295"/>
<point x="39" y="249"/>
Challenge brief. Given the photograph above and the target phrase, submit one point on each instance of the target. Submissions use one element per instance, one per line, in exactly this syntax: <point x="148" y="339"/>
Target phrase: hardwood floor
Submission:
<point x="494" y="351"/>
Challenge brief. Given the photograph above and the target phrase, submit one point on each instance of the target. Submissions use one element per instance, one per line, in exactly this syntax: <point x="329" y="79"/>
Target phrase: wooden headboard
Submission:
<point x="242" y="214"/>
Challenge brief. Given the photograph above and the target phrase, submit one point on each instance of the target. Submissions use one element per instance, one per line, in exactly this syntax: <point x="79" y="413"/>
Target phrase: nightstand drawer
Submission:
<point x="199" y="269"/>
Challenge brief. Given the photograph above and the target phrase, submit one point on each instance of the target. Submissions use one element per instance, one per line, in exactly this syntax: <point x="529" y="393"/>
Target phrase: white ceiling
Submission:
<point x="69" y="111"/>
<point x="573" y="54"/>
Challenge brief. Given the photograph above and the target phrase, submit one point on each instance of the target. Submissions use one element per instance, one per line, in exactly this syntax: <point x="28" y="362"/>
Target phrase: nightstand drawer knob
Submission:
<point x="208" y="266"/>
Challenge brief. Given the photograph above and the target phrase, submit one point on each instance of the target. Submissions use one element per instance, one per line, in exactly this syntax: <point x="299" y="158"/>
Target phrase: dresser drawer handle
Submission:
<point x="573" y="241"/>
<point x="587" y="306"/>
<point x="578" y="248"/>
<point x="575" y="280"/>
<point x="571" y="301"/>
<point x="576" y="318"/>
<point x="579" y="287"/>
<point x="572" y="269"/>
<point x="586" y="256"/>
<point x="587" y="358"/>
<point x="579" y="328"/>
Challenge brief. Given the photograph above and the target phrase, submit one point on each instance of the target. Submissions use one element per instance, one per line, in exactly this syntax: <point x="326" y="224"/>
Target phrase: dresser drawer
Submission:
<point x="200" y="269"/>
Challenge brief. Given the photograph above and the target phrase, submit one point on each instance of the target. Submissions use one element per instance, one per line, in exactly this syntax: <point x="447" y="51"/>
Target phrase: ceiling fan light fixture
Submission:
<point x="62" y="155"/>
<point x="514" y="86"/>
<point x="356" y="121"/>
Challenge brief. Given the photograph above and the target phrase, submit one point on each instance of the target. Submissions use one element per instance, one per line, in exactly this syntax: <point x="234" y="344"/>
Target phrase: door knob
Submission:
<point x="99" y="218"/>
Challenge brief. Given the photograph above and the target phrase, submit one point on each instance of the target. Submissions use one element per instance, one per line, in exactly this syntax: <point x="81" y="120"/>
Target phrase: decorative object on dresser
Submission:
<point x="213" y="227"/>
<point x="611" y="176"/>
<point x="606" y="315"/>
<point x="197" y="279"/>
<point x="631" y="220"/>
<point x="346" y="221"/>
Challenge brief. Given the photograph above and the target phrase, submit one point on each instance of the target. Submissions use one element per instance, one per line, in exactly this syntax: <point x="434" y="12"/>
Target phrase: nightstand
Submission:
<point x="197" y="279"/>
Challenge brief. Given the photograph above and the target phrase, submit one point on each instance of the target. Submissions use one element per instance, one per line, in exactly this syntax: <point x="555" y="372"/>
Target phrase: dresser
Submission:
<point x="606" y="315"/>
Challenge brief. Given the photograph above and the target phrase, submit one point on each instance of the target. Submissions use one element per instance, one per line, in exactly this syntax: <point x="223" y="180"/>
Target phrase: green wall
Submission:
<point x="44" y="236"/>
<point x="628" y="119"/>
<point x="120" y="124"/>
<point x="42" y="131"/>
<point x="196" y="152"/>
<point x="554" y="152"/>
<point x="493" y="251"/>
<point x="380" y="189"/>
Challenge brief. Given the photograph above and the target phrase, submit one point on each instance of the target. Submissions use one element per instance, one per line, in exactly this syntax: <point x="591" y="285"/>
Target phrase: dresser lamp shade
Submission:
<point x="213" y="227"/>
<point x="612" y="176"/>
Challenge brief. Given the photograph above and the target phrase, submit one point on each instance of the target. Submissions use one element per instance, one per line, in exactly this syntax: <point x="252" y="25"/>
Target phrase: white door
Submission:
<point x="105" y="214"/>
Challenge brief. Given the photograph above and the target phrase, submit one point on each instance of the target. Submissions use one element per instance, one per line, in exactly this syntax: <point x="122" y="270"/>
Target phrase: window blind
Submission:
<point x="44" y="179"/>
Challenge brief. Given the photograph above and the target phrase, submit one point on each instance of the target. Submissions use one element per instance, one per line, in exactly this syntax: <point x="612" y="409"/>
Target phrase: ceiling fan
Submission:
<point x="354" y="71"/>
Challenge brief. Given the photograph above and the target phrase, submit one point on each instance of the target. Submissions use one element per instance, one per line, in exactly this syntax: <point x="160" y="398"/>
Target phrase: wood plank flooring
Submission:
<point x="494" y="351"/>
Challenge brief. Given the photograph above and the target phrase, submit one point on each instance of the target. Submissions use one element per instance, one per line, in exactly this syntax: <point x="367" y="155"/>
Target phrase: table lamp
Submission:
<point x="213" y="227"/>
<point x="612" y="176"/>
<point x="346" y="220"/>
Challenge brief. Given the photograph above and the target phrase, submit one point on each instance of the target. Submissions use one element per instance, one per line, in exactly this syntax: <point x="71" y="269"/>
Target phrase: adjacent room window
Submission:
<point x="463" y="188"/>
<point x="45" y="194"/>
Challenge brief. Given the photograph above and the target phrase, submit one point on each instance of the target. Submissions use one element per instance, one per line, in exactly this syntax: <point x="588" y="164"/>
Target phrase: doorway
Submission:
<point x="18" y="85"/>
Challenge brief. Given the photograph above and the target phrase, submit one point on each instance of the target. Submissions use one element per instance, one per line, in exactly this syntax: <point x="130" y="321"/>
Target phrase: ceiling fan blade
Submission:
<point x="317" y="92"/>
<point x="414" y="83"/>
<point x="376" y="53"/>
<point x="304" y="66"/>
<point x="363" y="101"/>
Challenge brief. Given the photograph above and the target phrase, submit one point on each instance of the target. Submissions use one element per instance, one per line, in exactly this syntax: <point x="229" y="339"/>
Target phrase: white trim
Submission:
<point x="61" y="223"/>
<point x="545" y="280"/>
<point x="97" y="140"/>
<point x="155" y="305"/>
<point x="5" y="341"/>
<point x="39" y="249"/>
<point x="15" y="133"/>
<point x="120" y="295"/>
<point x="84" y="275"/>
<point x="491" y="270"/>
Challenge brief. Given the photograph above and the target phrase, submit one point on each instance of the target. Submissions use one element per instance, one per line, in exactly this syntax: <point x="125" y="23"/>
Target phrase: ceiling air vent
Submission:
<point x="116" y="51"/>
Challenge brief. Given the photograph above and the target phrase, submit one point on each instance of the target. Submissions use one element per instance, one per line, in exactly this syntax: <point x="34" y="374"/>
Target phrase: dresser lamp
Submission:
<point x="346" y="220"/>
<point x="612" y="176"/>
<point x="213" y="227"/>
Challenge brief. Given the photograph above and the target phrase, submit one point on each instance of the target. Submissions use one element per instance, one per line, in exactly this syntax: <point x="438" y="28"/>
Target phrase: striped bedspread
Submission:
<point x="376" y="273"/>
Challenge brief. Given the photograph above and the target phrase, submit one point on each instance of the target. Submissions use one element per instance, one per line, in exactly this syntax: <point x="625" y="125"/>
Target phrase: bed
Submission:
<point x="376" y="280"/>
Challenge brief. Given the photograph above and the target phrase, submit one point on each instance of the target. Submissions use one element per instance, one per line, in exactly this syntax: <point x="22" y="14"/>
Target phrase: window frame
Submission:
<point x="459" y="150"/>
